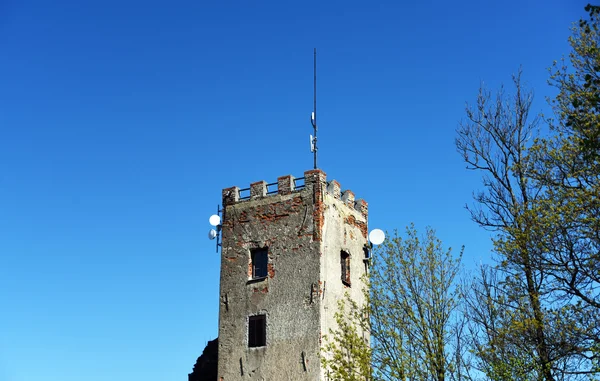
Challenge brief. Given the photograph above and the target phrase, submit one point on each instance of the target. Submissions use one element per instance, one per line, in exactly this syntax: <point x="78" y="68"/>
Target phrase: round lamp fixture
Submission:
<point x="215" y="220"/>
<point x="376" y="236"/>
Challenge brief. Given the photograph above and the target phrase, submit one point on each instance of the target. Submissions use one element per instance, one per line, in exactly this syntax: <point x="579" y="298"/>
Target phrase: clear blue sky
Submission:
<point x="121" y="121"/>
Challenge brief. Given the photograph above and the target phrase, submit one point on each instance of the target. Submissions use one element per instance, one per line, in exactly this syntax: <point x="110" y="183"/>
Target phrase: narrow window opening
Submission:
<point x="345" y="262"/>
<point x="257" y="332"/>
<point x="259" y="259"/>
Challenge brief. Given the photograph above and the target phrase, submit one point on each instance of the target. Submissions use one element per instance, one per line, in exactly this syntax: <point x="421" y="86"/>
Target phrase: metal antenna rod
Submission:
<point x="314" y="119"/>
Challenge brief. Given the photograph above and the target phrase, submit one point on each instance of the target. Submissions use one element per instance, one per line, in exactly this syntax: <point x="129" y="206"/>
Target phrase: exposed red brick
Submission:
<point x="362" y="226"/>
<point x="317" y="178"/>
<point x="277" y="211"/>
<point x="318" y="213"/>
<point x="270" y="270"/>
<point x="243" y="217"/>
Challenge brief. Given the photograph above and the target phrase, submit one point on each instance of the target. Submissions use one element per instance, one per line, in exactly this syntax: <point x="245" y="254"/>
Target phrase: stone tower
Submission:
<point x="290" y="250"/>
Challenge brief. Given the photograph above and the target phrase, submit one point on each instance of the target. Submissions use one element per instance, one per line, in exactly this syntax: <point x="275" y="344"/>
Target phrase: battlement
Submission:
<point x="289" y="184"/>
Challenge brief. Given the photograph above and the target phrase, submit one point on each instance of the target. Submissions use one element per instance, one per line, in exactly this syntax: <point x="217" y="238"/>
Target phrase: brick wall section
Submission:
<point x="362" y="226"/>
<point x="284" y="224"/>
<point x="316" y="180"/>
<point x="230" y="195"/>
<point x="348" y="198"/>
<point x="258" y="189"/>
<point x="285" y="184"/>
<point x="362" y="206"/>
<point x="334" y="189"/>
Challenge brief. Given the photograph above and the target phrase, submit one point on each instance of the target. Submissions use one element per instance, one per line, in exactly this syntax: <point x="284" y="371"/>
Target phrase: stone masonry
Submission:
<point x="307" y="230"/>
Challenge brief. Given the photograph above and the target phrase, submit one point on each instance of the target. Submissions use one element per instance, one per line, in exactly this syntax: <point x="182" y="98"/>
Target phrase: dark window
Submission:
<point x="345" y="261"/>
<point x="257" y="332"/>
<point x="259" y="260"/>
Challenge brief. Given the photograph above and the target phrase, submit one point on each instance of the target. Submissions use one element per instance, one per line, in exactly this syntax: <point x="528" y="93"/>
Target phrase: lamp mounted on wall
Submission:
<point x="215" y="220"/>
<point x="376" y="237"/>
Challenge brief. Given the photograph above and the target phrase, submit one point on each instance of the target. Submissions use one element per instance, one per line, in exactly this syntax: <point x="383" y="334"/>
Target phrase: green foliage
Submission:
<point x="413" y="308"/>
<point x="347" y="354"/>
<point x="535" y="315"/>
<point x="577" y="105"/>
<point x="500" y="327"/>
<point x="538" y="311"/>
<point x="412" y="305"/>
<point x="567" y="165"/>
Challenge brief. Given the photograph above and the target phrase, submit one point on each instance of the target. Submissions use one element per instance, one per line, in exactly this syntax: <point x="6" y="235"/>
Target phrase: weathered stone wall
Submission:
<point x="304" y="230"/>
<point x="345" y="229"/>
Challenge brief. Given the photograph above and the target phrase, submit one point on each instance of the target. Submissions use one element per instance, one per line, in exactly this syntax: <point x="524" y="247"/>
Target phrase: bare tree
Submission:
<point x="497" y="336"/>
<point x="494" y="140"/>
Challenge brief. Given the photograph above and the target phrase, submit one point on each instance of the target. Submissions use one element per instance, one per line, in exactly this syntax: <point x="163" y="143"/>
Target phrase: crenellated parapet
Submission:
<point x="313" y="180"/>
<point x="290" y="250"/>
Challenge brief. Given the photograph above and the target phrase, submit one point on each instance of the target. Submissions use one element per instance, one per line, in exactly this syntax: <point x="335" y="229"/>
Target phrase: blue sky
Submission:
<point x="121" y="121"/>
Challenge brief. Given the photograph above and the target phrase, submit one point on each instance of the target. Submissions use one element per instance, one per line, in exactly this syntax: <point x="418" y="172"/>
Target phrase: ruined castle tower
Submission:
<point x="290" y="250"/>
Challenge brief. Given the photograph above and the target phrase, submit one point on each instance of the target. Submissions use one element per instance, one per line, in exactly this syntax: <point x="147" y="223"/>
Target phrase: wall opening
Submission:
<point x="345" y="262"/>
<point x="260" y="260"/>
<point x="257" y="331"/>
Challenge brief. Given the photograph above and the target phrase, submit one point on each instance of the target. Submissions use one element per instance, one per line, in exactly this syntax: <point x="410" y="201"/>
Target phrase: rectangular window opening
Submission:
<point x="260" y="260"/>
<point x="257" y="331"/>
<point x="345" y="262"/>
